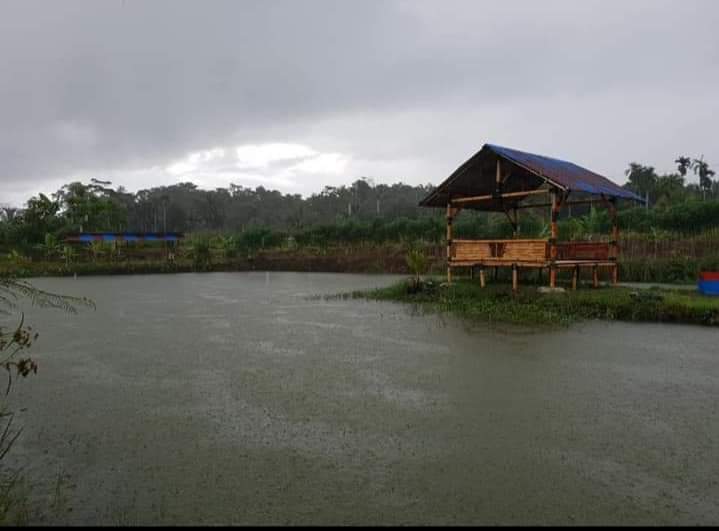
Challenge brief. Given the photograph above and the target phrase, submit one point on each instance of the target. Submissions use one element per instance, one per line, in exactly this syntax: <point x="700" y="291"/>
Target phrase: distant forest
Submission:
<point x="99" y="206"/>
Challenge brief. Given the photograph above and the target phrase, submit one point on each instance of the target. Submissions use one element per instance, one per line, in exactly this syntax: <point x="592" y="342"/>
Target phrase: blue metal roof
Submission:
<point x="88" y="237"/>
<point x="565" y="174"/>
<point x="477" y="176"/>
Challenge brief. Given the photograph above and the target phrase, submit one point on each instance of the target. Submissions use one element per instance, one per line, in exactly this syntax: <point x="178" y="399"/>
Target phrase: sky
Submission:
<point x="296" y="95"/>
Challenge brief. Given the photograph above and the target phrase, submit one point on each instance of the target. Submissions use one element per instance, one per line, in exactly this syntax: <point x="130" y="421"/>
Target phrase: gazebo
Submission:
<point x="500" y="179"/>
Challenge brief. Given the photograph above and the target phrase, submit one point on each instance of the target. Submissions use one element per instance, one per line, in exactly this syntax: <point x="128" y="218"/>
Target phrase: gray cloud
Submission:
<point x="399" y="89"/>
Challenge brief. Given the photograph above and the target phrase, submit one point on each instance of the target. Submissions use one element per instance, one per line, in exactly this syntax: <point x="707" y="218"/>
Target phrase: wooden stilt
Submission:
<point x="471" y="272"/>
<point x="515" y="280"/>
<point x="614" y="244"/>
<point x="481" y="277"/>
<point x="554" y="233"/>
<point x="595" y="276"/>
<point x="575" y="276"/>
<point x="450" y="212"/>
<point x="615" y="274"/>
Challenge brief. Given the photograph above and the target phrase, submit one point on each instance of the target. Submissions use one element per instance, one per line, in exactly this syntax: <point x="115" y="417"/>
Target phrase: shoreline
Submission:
<point x="464" y="298"/>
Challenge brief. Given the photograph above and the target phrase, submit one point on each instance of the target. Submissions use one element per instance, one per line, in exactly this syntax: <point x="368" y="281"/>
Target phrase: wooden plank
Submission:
<point x="533" y="240"/>
<point x="480" y="198"/>
<point x="497" y="263"/>
<point x="584" y="263"/>
<point x="565" y="203"/>
<point x="526" y="250"/>
<point x="583" y="250"/>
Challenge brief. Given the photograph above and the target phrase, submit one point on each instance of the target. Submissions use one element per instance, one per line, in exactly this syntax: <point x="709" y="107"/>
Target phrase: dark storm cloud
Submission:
<point x="127" y="86"/>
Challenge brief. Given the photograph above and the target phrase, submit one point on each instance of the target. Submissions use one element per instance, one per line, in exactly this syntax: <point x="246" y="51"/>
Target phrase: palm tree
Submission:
<point x="683" y="165"/>
<point x="705" y="173"/>
<point x="14" y="344"/>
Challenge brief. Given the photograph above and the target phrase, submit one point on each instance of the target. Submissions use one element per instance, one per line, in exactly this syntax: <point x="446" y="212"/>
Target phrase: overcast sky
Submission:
<point x="299" y="94"/>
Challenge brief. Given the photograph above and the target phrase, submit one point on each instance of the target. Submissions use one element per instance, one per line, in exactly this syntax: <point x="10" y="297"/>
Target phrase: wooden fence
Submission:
<point x="644" y="246"/>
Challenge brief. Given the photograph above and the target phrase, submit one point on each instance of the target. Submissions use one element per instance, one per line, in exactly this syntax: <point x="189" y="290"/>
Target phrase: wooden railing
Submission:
<point x="504" y="251"/>
<point x="585" y="251"/>
<point x="526" y="251"/>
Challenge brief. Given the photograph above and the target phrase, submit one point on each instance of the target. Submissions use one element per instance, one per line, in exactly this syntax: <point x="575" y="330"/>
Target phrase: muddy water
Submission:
<point x="233" y="398"/>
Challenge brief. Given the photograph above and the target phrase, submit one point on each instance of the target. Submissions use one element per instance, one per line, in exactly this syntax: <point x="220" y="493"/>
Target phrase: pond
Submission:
<point x="239" y="398"/>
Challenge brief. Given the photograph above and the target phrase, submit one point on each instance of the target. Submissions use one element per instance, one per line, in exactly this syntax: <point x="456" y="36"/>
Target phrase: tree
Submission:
<point x="14" y="343"/>
<point x="641" y="179"/>
<point x="701" y="168"/>
<point x="39" y="218"/>
<point x="670" y="189"/>
<point x="683" y="165"/>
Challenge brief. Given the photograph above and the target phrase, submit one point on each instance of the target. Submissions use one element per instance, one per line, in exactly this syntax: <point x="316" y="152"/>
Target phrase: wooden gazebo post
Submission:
<point x="450" y="213"/>
<point x="556" y="205"/>
<point x="615" y="240"/>
<point x="611" y="205"/>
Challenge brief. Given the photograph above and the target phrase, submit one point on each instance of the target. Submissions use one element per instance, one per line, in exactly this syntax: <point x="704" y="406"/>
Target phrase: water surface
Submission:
<point x="236" y="398"/>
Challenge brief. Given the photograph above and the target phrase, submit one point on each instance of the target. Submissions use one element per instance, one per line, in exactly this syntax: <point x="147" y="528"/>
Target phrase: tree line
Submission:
<point x="672" y="188"/>
<point x="361" y="211"/>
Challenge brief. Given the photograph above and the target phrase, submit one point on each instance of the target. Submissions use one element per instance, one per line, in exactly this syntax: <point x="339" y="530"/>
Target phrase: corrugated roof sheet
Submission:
<point x="568" y="175"/>
<point x="87" y="237"/>
<point x="477" y="177"/>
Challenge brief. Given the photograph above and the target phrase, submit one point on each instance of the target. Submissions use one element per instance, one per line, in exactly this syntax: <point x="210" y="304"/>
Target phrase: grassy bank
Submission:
<point x="368" y="259"/>
<point x="496" y="303"/>
<point x="383" y="259"/>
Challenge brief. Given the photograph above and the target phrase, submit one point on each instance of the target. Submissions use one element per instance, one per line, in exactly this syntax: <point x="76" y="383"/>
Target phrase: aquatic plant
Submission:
<point x="417" y="262"/>
<point x="14" y="344"/>
<point x="495" y="303"/>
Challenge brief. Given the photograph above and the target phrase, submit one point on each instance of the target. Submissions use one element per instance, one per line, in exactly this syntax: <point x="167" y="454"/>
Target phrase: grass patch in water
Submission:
<point x="497" y="303"/>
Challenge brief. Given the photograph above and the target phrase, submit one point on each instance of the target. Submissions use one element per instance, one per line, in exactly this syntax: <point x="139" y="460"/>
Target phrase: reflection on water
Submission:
<point x="237" y="398"/>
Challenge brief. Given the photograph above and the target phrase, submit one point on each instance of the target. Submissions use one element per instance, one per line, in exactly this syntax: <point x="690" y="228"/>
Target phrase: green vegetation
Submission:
<point x="227" y="228"/>
<point x="14" y="345"/>
<point x="497" y="303"/>
<point x="418" y="264"/>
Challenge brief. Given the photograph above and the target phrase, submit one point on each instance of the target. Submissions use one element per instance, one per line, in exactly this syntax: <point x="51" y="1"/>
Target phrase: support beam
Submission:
<point x="556" y="206"/>
<point x="612" y="207"/>
<point x="595" y="276"/>
<point x="575" y="276"/>
<point x="481" y="277"/>
<point x="479" y="198"/>
<point x="565" y="203"/>
<point x="512" y="221"/>
<point x="450" y="212"/>
<point x="515" y="279"/>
